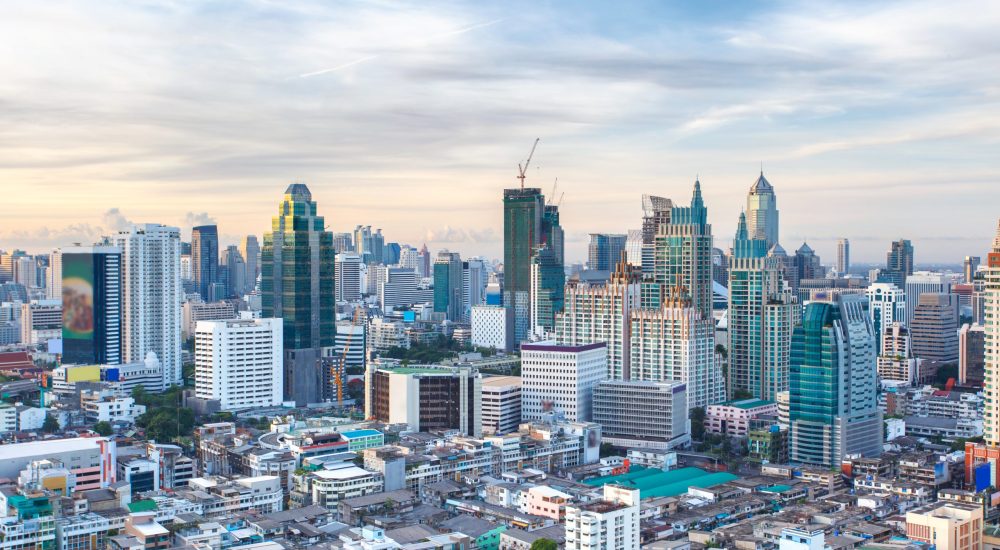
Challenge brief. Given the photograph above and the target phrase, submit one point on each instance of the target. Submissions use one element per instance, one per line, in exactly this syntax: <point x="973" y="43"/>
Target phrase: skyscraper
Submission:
<point x="934" y="329"/>
<point x="474" y="278"/>
<point x="833" y="384"/>
<point x="683" y="257"/>
<point x="552" y="233"/>
<point x="887" y="305"/>
<point x="91" y="285"/>
<point x="522" y="227"/>
<point x="655" y="212"/>
<point x="762" y="211"/>
<point x="898" y="263"/>
<point x="923" y="282"/>
<point x="761" y="318"/>
<point x="53" y="286"/>
<point x="843" y="257"/>
<point x="970" y="266"/>
<point x="236" y="272"/>
<point x="448" y="292"/>
<point x="297" y="283"/>
<point x="548" y="280"/>
<point x="204" y="257"/>
<point x="605" y="251"/>
<point x="806" y="265"/>
<point x="152" y="296"/>
<point x="424" y="265"/>
<point x="348" y="277"/>
<point x="250" y="248"/>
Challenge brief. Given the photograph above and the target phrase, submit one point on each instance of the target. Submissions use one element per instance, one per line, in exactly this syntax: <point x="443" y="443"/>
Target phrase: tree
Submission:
<point x="721" y="350"/>
<point x="741" y="394"/>
<point x="51" y="425"/>
<point x="103" y="428"/>
<point x="544" y="544"/>
<point x="607" y="449"/>
<point x="697" y="423"/>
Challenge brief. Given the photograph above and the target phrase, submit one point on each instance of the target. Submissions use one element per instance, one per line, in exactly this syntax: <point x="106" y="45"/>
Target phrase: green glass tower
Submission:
<point x="683" y="257"/>
<point x="297" y="284"/>
<point x="548" y="281"/>
<point x="448" y="291"/>
<point x="523" y="211"/>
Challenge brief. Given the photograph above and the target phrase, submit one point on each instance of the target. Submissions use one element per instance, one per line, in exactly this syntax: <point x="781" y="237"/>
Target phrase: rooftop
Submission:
<point x="20" y="451"/>
<point x="748" y="403"/>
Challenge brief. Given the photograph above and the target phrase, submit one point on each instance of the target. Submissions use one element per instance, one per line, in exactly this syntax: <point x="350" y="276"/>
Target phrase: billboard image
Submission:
<point x="78" y="297"/>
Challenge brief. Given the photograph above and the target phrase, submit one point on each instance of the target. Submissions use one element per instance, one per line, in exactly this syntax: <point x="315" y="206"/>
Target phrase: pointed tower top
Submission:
<point x="761" y="185"/>
<point x="741" y="227"/>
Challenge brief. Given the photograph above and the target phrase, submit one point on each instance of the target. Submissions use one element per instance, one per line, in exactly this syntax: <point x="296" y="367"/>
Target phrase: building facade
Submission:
<point x="558" y="378"/>
<point x="91" y="282"/>
<point x="238" y="363"/>
<point x="501" y="403"/>
<point x="642" y="414"/>
<point x="426" y="398"/>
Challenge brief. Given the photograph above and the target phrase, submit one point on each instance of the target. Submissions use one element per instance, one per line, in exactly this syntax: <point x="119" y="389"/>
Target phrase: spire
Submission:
<point x="741" y="227"/>
<point x="761" y="185"/>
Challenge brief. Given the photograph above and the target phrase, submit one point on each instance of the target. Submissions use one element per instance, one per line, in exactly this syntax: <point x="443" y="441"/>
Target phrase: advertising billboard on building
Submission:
<point x="78" y="296"/>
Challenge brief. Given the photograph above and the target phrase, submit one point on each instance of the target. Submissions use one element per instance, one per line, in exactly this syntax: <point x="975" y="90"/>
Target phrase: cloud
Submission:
<point x="194" y="219"/>
<point x="114" y="221"/>
<point x="448" y="234"/>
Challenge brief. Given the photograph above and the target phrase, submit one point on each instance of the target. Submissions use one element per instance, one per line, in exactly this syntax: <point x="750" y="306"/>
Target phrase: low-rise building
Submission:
<point x="947" y="525"/>
<point x="611" y="523"/>
<point x="733" y="417"/>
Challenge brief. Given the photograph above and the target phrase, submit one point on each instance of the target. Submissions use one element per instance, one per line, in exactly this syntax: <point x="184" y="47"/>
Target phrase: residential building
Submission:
<point x="611" y="523"/>
<point x="561" y="379"/>
<point x="53" y="280"/>
<point x="733" y="418"/>
<point x="492" y="327"/>
<point x="152" y="296"/>
<point x="91" y="282"/>
<point x="347" y="277"/>
<point x="426" y="398"/>
<point x="501" y="404"/>
<point x="987" y="454"/>
<point x="109" y="405"/>
<point x="896" y="361"/>
<point x="204" y="258"/>
<point x="762" y="212"/>
<point x="887" y="305"/>
<point x="947" y="525"/>
<point x="238" y="362"/>
<point x="605" y="251"/>
<point x="833" y="384"/>
<point x="642" y="414"/>
<point x="923" y="282"/>
<point x="41" y="321"/>
<point x="297" y="284"/>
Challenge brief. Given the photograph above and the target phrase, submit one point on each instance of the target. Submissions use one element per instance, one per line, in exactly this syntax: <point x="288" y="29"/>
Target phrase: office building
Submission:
<point x="523" y="209"/>
<point x="151" y="287"/>
<point x="347" y="278"/>
<point x="971" y="354"/>
<point x="760" y="319"/>
<point x="238" y="363"/>
<point x="947" y="525"/>
<point x="923" y="282"/>
<point x="934" y="329"/>
<point x="895" y="360"/>
<point x="250" y="249"/>
<point x="26" y="272"/>
<point x="236" y="272"/>
<point x="501" y="403"/>
<point x="899" y="259"/>
<point x="474" y="279"/>
<point x="548" y="281"/>
<point x="611" y="523"/>
<point x="449" y="296"/>
<point x="833" y="384"/>
<point x="843" y="257"/>
<point x="399" y="289"/>
<point x="426" y="398"/>
<point x="204" y="257"/>
<point x="409" y="257"/>
<point x="805" y="265"/>
<point x="91" y="282"/>
<point x="425" y="262"/>
<point x="297" y="286"/>
<point x="195" y="310"/>
<point x="887" y="305"/>
<point x="605" y="251"/>
<point x="492" y="327"/>
<point x="41" y="321"/>
<point x="762" y="212"/>
<point x="560" y="379"/>
<point x="390" y="253"/>
<point x="642" y="414"/>
<point x="970" y="266"/>
<point x="343" y="242"/>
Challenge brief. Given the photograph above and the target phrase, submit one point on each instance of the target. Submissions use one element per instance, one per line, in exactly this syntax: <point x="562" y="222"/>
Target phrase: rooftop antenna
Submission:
<point x="522" y="170"/>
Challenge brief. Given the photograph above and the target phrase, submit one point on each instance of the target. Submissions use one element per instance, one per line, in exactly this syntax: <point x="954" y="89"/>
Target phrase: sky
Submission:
<point x="873" y="121"/>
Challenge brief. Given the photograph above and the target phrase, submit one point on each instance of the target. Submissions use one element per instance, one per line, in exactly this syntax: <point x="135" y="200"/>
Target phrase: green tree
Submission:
<point x="721" y="350"/>
<point x="607" y="449"/>
<point x="697" y="423"/>
<point x="103" y="428"/>
<point x="51" y="425"/>
<point x="544" y="544"/>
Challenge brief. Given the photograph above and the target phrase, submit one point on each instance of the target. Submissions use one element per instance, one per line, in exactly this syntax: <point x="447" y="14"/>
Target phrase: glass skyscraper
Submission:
<point x="522" y="231"/>
<point x="205" y="258"/>
<point x="762" y="211"/>
<point x="548" y="281"/>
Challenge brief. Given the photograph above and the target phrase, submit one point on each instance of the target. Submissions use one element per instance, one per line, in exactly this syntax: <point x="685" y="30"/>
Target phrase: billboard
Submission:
<point x="78" y="296"/>
<point x="983" y="476"/>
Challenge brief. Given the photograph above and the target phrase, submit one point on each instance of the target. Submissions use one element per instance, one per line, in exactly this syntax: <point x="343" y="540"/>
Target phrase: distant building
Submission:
<point x="492" y="327"/>
<point x="501" y="404"/>
<point x="238" y="363"/>
<point x="194" y="311"/>
<point x="204" y="257"/>
<point x="971" y="354"/>
<point x="605" y="251"/>
<point x="561" y="379"/>
<point x="547" y="290"/>
<point x="887" y="305"/>
<point x="934" y="329"/>
<point x="348" y="277"/>
<point x="449" y="296"/>
<point x="923" y="282"/>
<point x="899" y="259"/>
<point x="762" y="211"/>
<point x="41" y="321"/>
<point x="642" y="414"/>
<point x="970" y="266"/>
<point x="843" y="257"/>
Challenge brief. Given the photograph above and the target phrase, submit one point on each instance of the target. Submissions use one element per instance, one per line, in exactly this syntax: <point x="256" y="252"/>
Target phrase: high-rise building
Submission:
<point x="491" y="327"/>
<point x="53" y="283"/>
<point x="250" y="248"/>
<point x="501" y="404"/>
<point x="91" y="281"/>
<point x="152" y="296"/>
<point x="297" y="285"/>
<point x="683" y="257"/>
<point x="425" y="263"/>
<point x="971" y="354"/>
<point x="552" y="232"/>
<point x="887" y="305"/>
<point x="900" y="257"/>
<point x="343" y="242"/>
<point x="236" y="272"/>
<point x="605" y="251"/>
<point x="833" y="385"/>
<point x="426" y="398"/>
<point x="760" y="321"/>
<point x="561" y="379"/>
<point x="204" y="257"/>
<point x="194" y="311"/>
<point x="399" y="289"/>
<point x="762" y="212"/>
<point x="843" y="257"/>
<point x="655" y="212"/>
<point x="923" y="282"/>
<point x="41" y="321"/>
<point x="238" y="362"/>
<point x="26" y="272"/>
<point x="449" y="296"/>
<point x="934" y="329"/>
<point x="970" y="266"/>
<point x="635" y="413"/>
<point x="895" y="360"/>
<point x="548" y="280"/>
<point x="348" y="277"/>
<point x="410" y="257"/>
<point x="474" y="278"/>
<point x="390" y="253"/>
<point x="522" y="220"/>
<point x="806" y="265"/>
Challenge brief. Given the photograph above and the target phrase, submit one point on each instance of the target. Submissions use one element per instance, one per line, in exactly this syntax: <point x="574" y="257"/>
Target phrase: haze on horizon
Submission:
<point x="873" y="122"/>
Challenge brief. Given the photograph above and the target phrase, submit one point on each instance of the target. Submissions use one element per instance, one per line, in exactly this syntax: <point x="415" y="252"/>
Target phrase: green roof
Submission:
<point x="653" y="482"/>
<point x="777" y="489"/>
<point x="142" y="506"/>
<point x="748" y="403"/>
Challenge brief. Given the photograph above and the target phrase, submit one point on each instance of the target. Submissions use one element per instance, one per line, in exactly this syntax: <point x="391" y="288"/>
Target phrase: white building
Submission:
<point x="921" y="282"/>
<point x="53" y="277"/>
<point x="152" y="294"/>
<point x="491" y="327"/>
<point x="399" y="288"/>
<point x="238" y="362"/>
<point x="329" y="487"/>
<point x="41" y="321"/>
<point x="109" y="406"/>
<point x="608" y="524"/>
<point x="501" y="404"/>
<point x="347" y="277"/>
<point x="384" y="334"/>
<point x="887" y="305"/>
<point x="561" y="379"/>
<point x="800" y="539"/>
<point x="636" y="413"/>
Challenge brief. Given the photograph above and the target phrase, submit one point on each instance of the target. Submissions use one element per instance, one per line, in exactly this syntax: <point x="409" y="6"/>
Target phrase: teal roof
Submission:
<point x="653" y="482"/>
<point x="360" y="433"/>
<point x="777" y="489"/>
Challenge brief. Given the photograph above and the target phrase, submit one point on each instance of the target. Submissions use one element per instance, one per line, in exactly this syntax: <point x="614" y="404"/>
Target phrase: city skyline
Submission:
<point x="432" y="107"/>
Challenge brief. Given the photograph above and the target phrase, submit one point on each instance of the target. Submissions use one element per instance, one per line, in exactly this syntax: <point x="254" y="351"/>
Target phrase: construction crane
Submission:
<point x="523" y="170"/>
<point x="559" y="203"/>
<point x="552" y="195"/>
<point x="339" y="369"/>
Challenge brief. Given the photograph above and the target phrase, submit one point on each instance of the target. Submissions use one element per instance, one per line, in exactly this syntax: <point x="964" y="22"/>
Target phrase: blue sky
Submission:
<point x="873" y="121"/>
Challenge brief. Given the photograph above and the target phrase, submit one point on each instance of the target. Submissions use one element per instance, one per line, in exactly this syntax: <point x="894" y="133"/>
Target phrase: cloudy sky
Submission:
<point x="874" y="121"/>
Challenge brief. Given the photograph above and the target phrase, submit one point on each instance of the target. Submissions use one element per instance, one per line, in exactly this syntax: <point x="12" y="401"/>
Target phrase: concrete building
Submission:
<point x="238" y="362"/>
<point x="449" y="296"/>
<point x="947" y="525"/>
<point x="561" y="379"/>
<point x="934" y="328"/>
<point x="399" y="288"/>
<point x="642" y="414"/>
<point x="887" y="305"/>
<point x="988" y="452"/>
<point x="501" y="402"/>
<point x="91" y="282"/>
<point x="90" y="459"/>
<point x="426" y="398"/>
<point x="971" y="354"/>
<point x="608" y="524"/>
<point x="492" y="327"/>
<point x="843" y="257"/>
<point x="195" y="310"/>
<point x="41" y="321"/>
<point x="111" y="406"/>
<point x="348" y="277"/>
<point x="896" y="361"/>
<point x="923" y="282"/>
<point x="793" y="538"/>
<point x="605" y="251"/>
<point x="151" y="287"/>
<point x="733" y="418"/>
